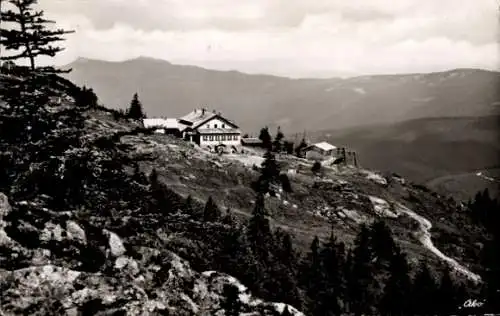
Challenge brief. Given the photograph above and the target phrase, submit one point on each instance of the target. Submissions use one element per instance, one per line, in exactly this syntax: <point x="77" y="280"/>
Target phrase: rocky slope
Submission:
<point x="151" y="282"/>
<point x="342" y="198"/>
<point x="78" y="233"/>
<point x="86" y="257"/>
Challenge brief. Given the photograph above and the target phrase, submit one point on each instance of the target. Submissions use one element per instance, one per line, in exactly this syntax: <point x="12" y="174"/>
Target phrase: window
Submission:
<point x="215" y="125"/>
<point x="208" y="125"/>
<point x="235" y="137"/>
<point x="205" y="137"/>
<point x="223" y="126"/>
<point x="223" y="137"/>
<point x="211" y="137"/>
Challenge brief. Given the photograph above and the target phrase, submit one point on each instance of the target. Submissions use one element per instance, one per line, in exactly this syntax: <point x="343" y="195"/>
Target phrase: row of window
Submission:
<point x="215" y="126"/>
<point x="219" y="137"/>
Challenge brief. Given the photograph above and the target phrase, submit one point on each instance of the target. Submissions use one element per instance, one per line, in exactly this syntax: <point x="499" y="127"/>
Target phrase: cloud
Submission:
<point x="286" y="37"/>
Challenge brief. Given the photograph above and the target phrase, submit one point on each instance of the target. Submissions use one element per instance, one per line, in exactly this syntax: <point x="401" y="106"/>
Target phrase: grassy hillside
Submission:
<point x="294" y="104"/>
<point x="131" y="222"/>
<point x="424" y="150"/>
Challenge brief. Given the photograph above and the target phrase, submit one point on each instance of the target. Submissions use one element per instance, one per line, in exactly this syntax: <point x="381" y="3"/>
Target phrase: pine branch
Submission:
<point x="33" y="36"/>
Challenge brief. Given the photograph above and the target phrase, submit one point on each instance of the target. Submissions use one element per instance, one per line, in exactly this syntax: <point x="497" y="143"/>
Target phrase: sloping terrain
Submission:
<point x="295" y="104"/>
<point x="70" y="242"/>
<point x="425" y="150"/>
<point x="343" y="198"/>
<point x="82" y="230"/>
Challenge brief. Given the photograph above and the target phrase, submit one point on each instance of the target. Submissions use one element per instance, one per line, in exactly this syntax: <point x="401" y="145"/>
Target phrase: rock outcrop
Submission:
<point x="136" y="281"/>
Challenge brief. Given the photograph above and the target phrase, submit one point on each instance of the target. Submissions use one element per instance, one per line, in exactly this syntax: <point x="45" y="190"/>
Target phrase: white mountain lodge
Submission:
<point x="207" y="129"/>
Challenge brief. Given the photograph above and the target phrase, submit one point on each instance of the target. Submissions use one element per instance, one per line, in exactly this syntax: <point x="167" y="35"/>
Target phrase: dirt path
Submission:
<point x="425" y="239"/>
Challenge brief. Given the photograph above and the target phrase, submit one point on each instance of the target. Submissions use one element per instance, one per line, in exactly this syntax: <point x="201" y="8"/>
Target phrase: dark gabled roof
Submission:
<point x="200" y="116"/>
<point x="195" y="117"/>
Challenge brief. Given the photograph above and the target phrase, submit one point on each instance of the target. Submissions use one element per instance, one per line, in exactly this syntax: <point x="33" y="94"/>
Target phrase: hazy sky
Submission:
<point x="286" y="37"/>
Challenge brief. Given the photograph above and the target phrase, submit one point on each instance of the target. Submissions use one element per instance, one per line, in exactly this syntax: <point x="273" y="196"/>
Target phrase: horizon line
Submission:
<point x="275" y="75"/>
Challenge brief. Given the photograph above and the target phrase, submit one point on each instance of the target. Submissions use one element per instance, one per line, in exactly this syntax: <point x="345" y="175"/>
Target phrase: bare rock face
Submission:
<point x="135" y="281"/>
<point x="51" y="232"/>
<point x="116" y="246"/>
<point x="75" y="232"/>
<point x="158" y="283"/>
<point x="5" y="209"/>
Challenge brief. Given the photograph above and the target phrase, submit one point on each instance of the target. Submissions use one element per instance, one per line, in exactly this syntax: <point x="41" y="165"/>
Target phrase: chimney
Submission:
<point x="203" y="111"/>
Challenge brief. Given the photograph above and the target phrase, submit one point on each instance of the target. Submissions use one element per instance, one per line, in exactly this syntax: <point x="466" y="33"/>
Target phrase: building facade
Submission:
<point x="320" y="151"/>
<point x="210" y="130"/>
<point x="207" y="129"/>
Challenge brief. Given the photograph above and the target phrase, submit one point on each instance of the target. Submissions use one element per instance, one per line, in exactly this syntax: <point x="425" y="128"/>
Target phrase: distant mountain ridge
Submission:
<point x="445" y="153"/>
<point x="296" y="105"/>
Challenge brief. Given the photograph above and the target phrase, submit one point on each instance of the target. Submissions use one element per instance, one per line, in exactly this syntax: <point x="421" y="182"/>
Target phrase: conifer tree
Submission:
<point x="288" y="146"/>
<point x="277" y="143"/>
<point x="235" y="256"/>
<point x="211" y="212"/>
<point x="311" y="275"/>
<point x="284" y="284"/>
<point x="153" y="178"/>
<point x="86" y="97"/>
<point x="265" y="137"/>
<point x="447" y="294"/>
<point x="302" y="145"/>
<point x="269" y="173"/>
<point x="361" y="283"/>
<point x="259" y="231"/>
<point x="285" y="252"/>
<point x="191" y="208"/>
<point x="382" y="242"/>
<point x="396" y="297"/>
<point x="135" y="110"/>
<point x="491" y="262"/>
<point x="29" y="35"/>
<point x="424" y="290"/>
<point x="332" y="283"/>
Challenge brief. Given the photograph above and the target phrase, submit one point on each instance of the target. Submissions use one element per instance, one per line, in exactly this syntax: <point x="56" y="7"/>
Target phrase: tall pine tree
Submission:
<point x="211" y="212"/>
<point x="302" y="145"/>
<point x="284" y="284"/>
<point x="396" y="297"/>
<point x="447" y="293"/>
<point x="332" y="284"/>
<point x="424" y="298"/>
<point x="135" y="110"/>
<point x="259" y="231"/>
<point x="269" y="173"/>
<point x="311" y="275"/>
<point x="362" y="285"/>
<point x="265" y="137"/>
<point x="278" y="139"/>
<point x="382" y="242"/>
<point x="29" y="35"/>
